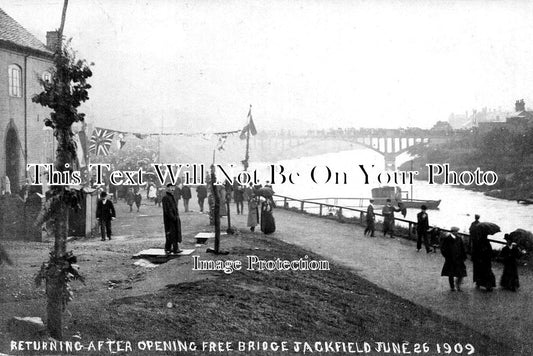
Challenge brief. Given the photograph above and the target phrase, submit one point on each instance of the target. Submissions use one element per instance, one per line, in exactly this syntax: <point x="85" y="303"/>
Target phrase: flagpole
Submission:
<point x="247" y="155"/>
<point x="159" y="141"/>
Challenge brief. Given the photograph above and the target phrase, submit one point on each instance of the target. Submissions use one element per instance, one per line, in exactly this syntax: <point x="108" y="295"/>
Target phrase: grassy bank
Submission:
<point x="124" y="302"/>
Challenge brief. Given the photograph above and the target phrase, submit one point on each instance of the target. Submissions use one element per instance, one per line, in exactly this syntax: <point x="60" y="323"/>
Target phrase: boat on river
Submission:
<point x="381" y="194"/>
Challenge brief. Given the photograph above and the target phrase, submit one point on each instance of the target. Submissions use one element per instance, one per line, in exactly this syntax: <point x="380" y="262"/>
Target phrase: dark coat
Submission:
<point x="509" y="279"/>
<point x="370" y="216"/>
<point x="238" y="194"/>
<point x="388" y="213"/>
<point x="454" y="254"/>
<point x="171" y="218"/>
<point x="201" y="191"/>
<point x="473" y="236"/>
<point x="423" y="222"/>
<point x="105" y="211"/>
<point x="268" y="224"/>
<point x="130" y="197"/>
<point x="138" y="198"/>
<point x="177" y="193"/>
<point x="186" y="192"/>
<point x="388" y="217"/>
<point x="482" y="261"/>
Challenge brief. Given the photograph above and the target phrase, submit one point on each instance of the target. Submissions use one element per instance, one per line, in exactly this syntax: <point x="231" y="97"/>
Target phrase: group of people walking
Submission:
<point x="454" y="251"/>
<point x="173" y="223"/>
<point x="260" y="208"/>
<point x="260" y="204"/>
<point x="265" y="220"/>
<point x="388" y="218"/>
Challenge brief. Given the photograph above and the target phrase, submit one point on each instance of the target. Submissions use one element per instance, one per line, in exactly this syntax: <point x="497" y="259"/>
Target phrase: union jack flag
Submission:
<point x="101" y="141"/>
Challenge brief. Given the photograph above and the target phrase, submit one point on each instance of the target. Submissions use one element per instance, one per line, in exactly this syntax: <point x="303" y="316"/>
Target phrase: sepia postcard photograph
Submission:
<point x="282" y="177"/>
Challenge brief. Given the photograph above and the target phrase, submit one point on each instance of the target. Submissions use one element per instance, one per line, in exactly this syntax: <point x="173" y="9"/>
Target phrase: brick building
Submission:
<point x="23" y="61"/>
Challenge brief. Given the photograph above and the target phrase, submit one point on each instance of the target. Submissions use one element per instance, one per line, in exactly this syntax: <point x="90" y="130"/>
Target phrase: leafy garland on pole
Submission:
<point x="63" y="94"/>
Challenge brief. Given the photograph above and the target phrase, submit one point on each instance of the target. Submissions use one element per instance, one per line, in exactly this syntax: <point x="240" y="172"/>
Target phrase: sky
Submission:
<point x="190" y="66"/>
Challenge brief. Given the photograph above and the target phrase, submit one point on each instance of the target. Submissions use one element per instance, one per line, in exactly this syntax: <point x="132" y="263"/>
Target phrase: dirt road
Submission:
<point x="394" y="265"/>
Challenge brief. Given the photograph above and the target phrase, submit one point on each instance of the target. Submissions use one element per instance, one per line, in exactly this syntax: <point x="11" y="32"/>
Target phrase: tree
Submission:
<point x="442" y="126"/>
<point x="63" y="94"/>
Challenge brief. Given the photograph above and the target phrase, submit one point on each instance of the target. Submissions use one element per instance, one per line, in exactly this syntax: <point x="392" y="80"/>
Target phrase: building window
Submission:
<point x="15" y="81"/>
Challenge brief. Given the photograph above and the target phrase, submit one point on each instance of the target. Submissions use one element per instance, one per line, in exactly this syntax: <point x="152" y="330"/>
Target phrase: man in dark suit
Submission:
<point x="370" y="219"/>
<point x="388" y="218"/>
<point x="105" y="212"/>
<point x="186" y="195"/>
<point x="454" y="254"/>
<point x="422" y="228"/>
<point x="172" y="222"/>
<point x="201" y="192"/>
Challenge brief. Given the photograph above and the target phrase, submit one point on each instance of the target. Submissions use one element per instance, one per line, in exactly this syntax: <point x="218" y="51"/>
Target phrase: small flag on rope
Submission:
<point x="81" y="143"/>
<point x="140" y="136"/>
<point x="121" y="141"/>
<point x="221" y="141"/>
<point x="101" y="141"/>
<point x="250" y="126"/>
<point x="80" y="153"/>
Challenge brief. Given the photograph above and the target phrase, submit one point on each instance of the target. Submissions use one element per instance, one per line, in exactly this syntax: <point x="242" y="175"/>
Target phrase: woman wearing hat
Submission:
<point x="454" y="254"/>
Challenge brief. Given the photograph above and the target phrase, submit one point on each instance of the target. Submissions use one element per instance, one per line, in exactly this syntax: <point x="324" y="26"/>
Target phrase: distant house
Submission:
<point x="483" y="118"/>
<point x="520" y="121"/>
<point x="23" y="61"/>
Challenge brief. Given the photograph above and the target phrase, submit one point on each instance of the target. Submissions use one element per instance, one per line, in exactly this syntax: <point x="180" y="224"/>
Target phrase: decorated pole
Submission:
<point x="63" y="94"/>
<point x="55" y="283"/>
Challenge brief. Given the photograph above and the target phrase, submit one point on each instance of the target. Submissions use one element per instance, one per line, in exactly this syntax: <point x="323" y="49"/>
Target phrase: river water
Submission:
<point x="457" y="207"/>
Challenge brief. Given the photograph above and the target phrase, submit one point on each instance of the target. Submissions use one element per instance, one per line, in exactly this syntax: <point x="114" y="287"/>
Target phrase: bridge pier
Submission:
<point x="390" y="161"/>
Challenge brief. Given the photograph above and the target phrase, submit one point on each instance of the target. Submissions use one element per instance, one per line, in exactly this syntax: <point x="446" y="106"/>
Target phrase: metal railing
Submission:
<point x="314" y="203"/>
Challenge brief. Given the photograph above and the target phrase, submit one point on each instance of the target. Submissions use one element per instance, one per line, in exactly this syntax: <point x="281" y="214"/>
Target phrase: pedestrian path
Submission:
<point x="395" y="265"/>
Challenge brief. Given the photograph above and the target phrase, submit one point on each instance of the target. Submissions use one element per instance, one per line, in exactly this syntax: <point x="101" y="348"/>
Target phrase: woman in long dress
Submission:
<point x="253" y="215"/>
<point x="510" y="254"/>
<point x="482" y="261"/>
<point x="268" y="224"/>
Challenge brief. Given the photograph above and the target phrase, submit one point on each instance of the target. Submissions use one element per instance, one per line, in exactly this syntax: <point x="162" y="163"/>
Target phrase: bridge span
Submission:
<point x="390" y="143"/>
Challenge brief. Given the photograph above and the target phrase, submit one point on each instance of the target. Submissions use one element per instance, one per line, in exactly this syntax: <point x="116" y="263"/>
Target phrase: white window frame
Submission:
<point x="15" y="80"/>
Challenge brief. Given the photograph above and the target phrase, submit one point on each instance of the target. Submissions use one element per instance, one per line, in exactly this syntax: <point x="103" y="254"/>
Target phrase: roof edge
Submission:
<point x="26" y="50"/>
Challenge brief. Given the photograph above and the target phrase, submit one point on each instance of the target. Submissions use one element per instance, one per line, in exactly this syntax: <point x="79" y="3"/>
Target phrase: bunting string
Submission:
<point x="102" y="138"/>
